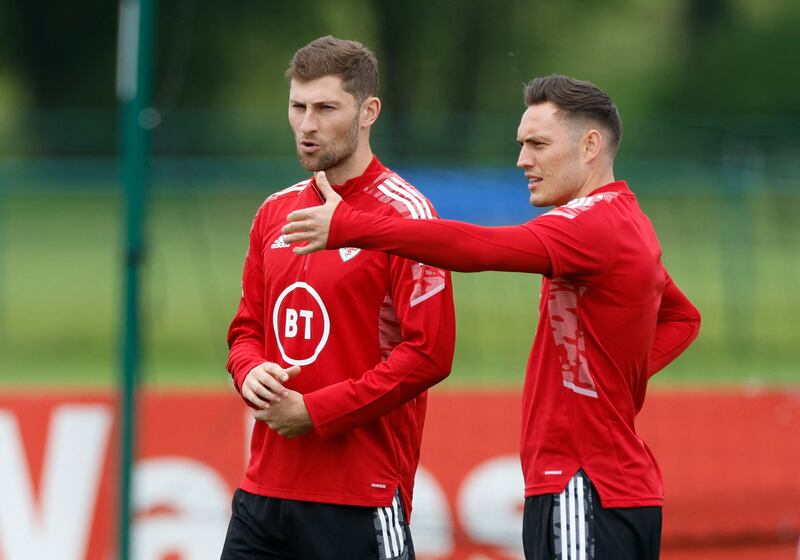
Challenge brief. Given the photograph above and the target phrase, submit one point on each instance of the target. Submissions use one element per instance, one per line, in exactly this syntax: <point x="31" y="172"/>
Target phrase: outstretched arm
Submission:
<point x="446" y="244"/>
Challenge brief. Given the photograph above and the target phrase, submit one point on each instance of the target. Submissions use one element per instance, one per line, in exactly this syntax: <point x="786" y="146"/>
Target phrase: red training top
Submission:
<point x="371" y="332"/>
<point x="609" y="318"/>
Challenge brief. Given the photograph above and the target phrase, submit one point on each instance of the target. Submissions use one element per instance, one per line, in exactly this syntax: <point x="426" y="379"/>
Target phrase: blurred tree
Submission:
<point x="58" y="56"/>
<point x="65" y="53"/>
<point x="737" y="62"/>
<point x="452" y="71"/>
<point x="435" y="60"/>
<point x="702" y="16"/>
<point x="397" y="33"/>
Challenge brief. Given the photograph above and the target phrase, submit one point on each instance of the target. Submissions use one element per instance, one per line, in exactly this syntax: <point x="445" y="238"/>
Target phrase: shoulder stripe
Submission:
<point x="296" y="187"/>
<point x="390" y="184"/>
<point x="413" y="191"/>
<point x="573" y="208"/>
<point x="302" y="184"/>
<point x="407" y="203"/>
<point x="420" y="201"/>
<point x="415" y="203"/>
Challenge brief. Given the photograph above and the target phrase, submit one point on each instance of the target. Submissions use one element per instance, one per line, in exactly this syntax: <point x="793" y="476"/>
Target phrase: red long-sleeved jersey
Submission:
<point x="371" y="333"/>
<point x="609" y="317"/>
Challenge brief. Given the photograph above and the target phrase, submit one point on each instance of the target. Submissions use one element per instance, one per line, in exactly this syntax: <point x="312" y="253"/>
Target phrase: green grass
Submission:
<point x="60" y="263"/>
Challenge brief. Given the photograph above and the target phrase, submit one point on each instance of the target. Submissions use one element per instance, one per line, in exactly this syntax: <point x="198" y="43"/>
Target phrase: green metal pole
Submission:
<point x="3" y="280"/>
<point x="134" y="70"/>
<point x="3" y="256"/>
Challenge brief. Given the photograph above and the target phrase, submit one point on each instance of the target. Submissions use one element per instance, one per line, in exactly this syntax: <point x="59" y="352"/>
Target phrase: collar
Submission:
<point x="355" y="184"/>
<point x="617" y="186"/>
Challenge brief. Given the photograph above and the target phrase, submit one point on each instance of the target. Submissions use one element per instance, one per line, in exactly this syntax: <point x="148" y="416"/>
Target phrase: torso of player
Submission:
<point x="327" y="300"/>
<point x="587" y="374"/>
<point x="332" y="314"/>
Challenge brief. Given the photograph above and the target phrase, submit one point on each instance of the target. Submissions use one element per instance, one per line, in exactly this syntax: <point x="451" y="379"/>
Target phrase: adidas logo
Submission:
<point x="279" y="244"/>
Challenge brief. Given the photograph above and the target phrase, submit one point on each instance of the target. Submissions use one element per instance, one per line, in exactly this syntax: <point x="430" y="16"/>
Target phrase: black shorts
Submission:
<point x="272" y="528"/>
<point x="574" y="526"/>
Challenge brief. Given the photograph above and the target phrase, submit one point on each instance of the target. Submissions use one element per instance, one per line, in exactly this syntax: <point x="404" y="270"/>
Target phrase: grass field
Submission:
<point x="60" y="265"/>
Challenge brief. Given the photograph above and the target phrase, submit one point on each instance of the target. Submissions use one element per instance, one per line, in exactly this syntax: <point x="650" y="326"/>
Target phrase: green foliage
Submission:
<point x="452" y="72"/>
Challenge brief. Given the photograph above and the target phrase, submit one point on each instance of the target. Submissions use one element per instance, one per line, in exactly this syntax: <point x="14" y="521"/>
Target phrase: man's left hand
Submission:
<point x="289" y="417"/>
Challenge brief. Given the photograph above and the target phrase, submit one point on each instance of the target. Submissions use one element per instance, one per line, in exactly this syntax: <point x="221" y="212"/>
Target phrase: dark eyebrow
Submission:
<point x="317" y="104"/>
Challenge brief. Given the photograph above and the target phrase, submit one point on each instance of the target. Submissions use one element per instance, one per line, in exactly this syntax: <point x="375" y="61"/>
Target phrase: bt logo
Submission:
<point x="301" y="324"/>
<point x="291" y="322"/>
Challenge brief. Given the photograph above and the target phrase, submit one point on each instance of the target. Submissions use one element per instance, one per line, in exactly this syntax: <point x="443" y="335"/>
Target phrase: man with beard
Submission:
<point x="334" y="352"/>
<point x="610" y="317"/>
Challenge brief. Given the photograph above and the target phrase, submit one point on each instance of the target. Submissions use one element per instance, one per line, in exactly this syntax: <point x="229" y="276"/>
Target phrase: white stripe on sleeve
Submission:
<point x="420" y="202"/>
<point x="407" y="194"/>
<point x="401" y="200"/>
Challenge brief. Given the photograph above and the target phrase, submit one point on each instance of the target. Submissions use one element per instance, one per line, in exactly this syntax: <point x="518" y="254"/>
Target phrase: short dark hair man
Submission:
<point x="610" y="317"/>
<point x="334" y="352"/>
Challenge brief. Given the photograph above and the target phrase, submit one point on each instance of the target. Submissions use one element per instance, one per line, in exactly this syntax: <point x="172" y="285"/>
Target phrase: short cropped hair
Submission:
<point x="577" y="100"/>
<point x="351" y="61"/>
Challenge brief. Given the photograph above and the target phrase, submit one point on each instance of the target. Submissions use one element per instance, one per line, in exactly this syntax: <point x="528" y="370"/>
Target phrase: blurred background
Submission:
<point x="709" y="93"/>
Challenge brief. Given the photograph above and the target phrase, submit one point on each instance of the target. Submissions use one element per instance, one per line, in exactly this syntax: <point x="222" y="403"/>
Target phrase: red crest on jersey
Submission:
<point x="347" y="253"/>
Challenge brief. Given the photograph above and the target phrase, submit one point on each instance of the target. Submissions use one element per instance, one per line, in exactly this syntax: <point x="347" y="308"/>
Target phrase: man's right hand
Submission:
<point x="312" y="224"/>
<point x="264" y="384"/>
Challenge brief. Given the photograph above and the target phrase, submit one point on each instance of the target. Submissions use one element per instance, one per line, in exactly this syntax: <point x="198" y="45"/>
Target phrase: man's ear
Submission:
<point x="370" y="109"/>
<point x="592" y="144"/>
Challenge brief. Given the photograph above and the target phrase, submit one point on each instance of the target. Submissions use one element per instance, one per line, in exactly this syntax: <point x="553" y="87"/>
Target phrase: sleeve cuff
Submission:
<point x="336" y="236"/>
<point x="323" y="430"/>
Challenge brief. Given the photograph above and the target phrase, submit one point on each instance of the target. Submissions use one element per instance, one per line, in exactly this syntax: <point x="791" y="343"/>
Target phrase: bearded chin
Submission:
<point x="311" y="164"/>
<point x="334" y="157"/>
<point x="321" y="163"/>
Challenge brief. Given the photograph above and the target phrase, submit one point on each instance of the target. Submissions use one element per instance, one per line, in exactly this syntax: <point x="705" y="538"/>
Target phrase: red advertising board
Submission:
<point x="730" y="461"/>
